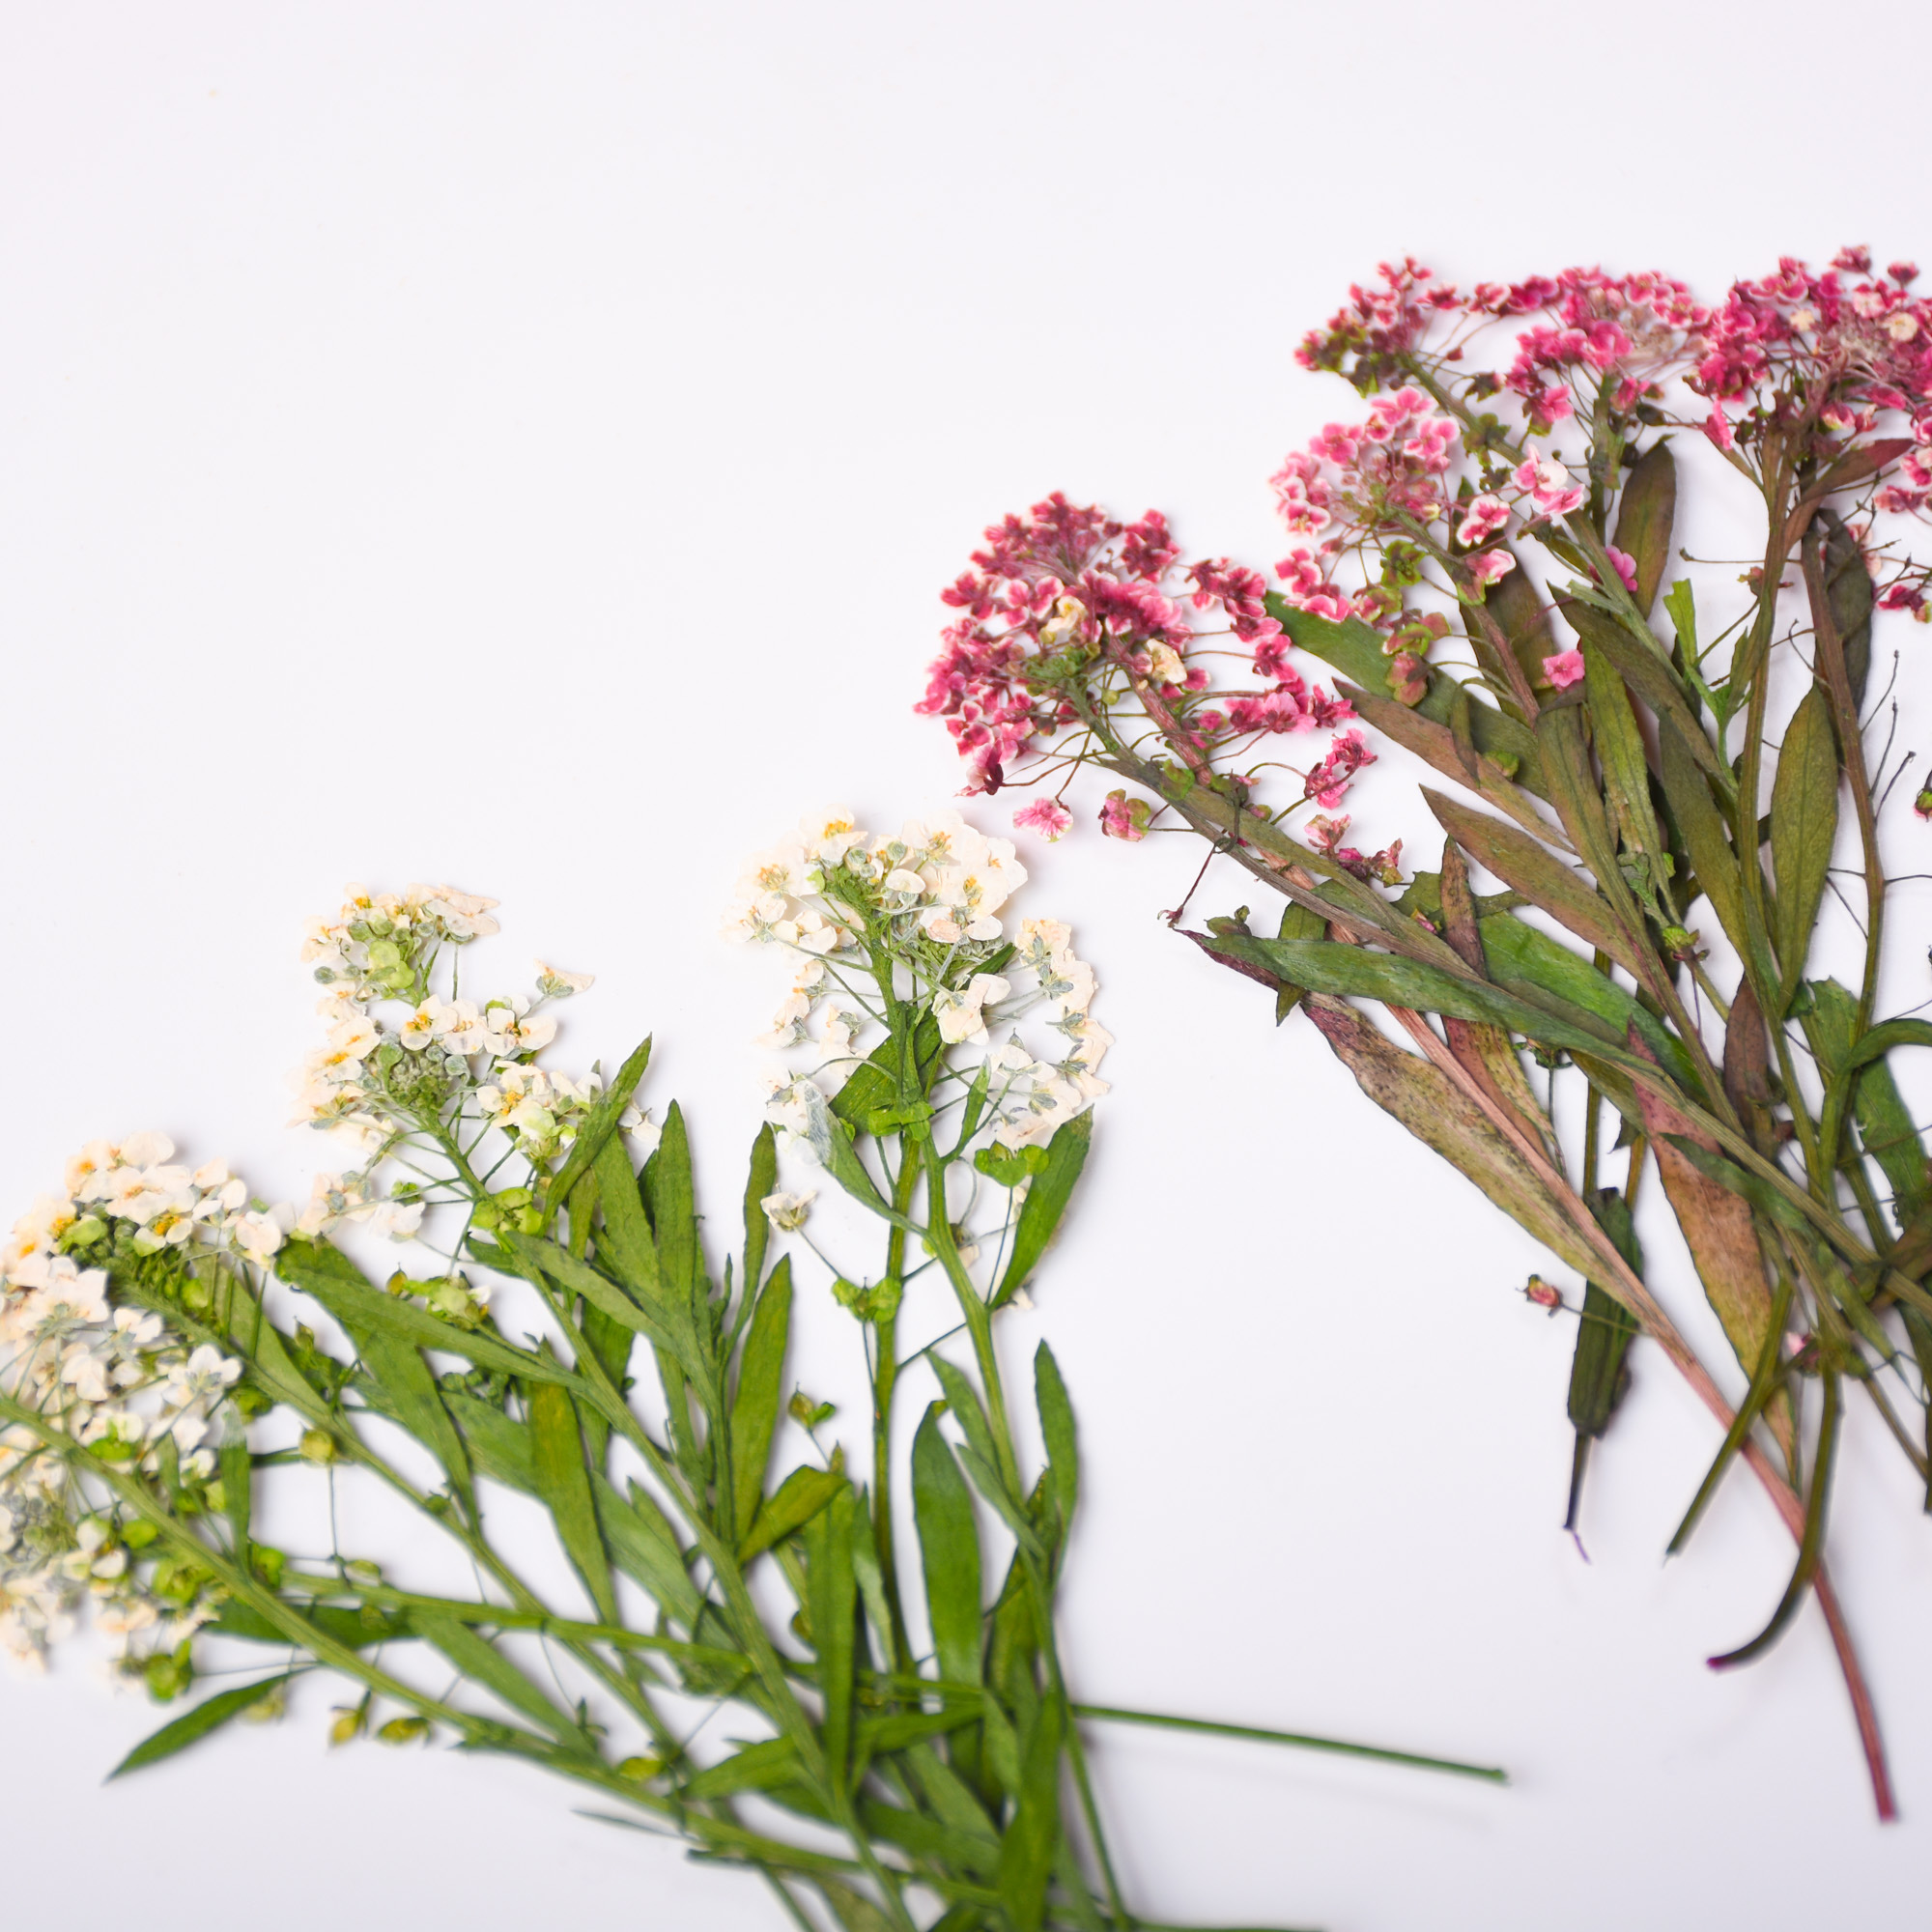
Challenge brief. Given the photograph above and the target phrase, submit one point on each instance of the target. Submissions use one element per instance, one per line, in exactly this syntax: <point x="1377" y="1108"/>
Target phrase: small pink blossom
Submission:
<point x="1329" y="782"/>
<point x="1626" y="566"/>
<point x="1123" y="817"/>
<point x="1564" y="669"/>
<point x="1491" y="566"/>
<point x="1045" y="816"/>
<point x="1485" y="516"/>
<point x="1718" y="427"/>
<point x="1549" y="485"/>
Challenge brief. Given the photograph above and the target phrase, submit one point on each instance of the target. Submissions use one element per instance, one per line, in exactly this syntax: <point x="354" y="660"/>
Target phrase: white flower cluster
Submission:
<point x="917" y="910"/>
<point x="378" y="939"/>
<point x="115" y="1379"/>
<point x="375" y="1082"/>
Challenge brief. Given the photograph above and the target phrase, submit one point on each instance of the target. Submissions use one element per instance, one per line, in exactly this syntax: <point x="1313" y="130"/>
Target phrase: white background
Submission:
<point x="522" y="445"/>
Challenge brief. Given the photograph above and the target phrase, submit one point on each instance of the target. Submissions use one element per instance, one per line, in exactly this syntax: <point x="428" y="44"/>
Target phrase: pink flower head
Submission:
<point x="1485" y="516"/>
<point x="1045" y="816"/>
<point x="1491" y="566"/>
<point x="1903" y="272"/>
<point x="1123" y="817"/>
<point x="1549" y="485"/>
<point x="1718" y="427"/>
<point x="1626" y="566"/>
<point x="1564" y="669"/>
<point x="1329" y="782"/>
<point x="1853" y="260"/>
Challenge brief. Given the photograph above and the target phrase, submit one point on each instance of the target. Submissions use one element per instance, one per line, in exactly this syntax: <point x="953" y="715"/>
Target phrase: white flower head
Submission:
<point x="787" y="1212"/>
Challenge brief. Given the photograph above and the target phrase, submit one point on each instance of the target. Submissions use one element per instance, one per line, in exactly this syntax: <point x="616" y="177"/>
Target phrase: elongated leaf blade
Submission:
<point x="760" y="1393"/>
<point x="563" y="1484"/>
<point x="1027" y="1849"/>
<point x="624" y="1245"/>
<point x="599" y="1126"/>
<point x="1423" y="1098"/>
<point x="835" y="1594"/>
<point x="480" y="1661"/>
<point x="948" y="1546"/>
<point x="1803" y="824"/>
<point x="1644" y="519"/>
<point x="1057" y="1430"/>
<point x="209" y="1714"/>
<point x="789" y="1507"/>
<point x="1541" y="877"/>
<point x="1045" y="1204"/>
<point x="673" y="1205"/>
<point x="760" y="1183"/>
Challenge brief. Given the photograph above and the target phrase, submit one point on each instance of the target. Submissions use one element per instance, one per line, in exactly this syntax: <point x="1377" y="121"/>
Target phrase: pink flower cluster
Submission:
<point x="1067" y="586"/>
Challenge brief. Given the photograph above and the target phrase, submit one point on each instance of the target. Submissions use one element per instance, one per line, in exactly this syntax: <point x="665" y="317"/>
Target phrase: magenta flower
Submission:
<point x="1046" y="817"/>
<point x="1564" y="669"/>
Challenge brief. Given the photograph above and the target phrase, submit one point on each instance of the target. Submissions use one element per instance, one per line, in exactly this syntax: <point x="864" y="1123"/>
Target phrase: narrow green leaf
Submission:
<point x="964" y="1402"/>
<point x="761" y="1181"/>
<point x="238" y="1483"/>
<point x="564" y="1485"/>
<point x="673" y="1206"/>
<point x="853" y="1909"/>
<point x="984" y="1476"/>
<point x="598" y="1128"/>
<point x="355" y="1629"/>
<point x="1046" y="1203"/>
<point x="834" y="1595"/>
<point x="1421" y="1097"/>
<point x="948" y="1546"/>
<point x="480" y="1661"/>
<point x="1803" y="824"/>
<point x="341" y="1287"/>
<point x="644" y="1547"/>
<point x="624" y="1245"/>
<point x="1542" y="878"/>
<point x="1056" y="1423"/>
<point x="789" y="1507"/>
<point x="760" y="1392"/>
<point x="498" y="1445"/>
<point x="1849" y="596"/>
<point x="1649" y="675"/>
<point x="887" y="1074"/>
<point x="672" y="1333"/>
<point x="1026" y="1851"/>
<point x="1436" y="744"/>
<point x="209" y="1714"/>
<point x="415" y="1402"/>
<point x="757" y="1767"/>
<point x="1701" y="827"/>
<point x="1621" y="754"/>
<point x="1644" y="518"/>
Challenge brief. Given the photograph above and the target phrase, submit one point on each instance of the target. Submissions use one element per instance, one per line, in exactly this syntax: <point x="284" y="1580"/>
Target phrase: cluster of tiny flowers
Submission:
<point x="115" y="1379"/>
<point x="917" y="910"/>
<point x="1067" y="595"/>
<point x="381" y="1077"/>
<point x="1833" y="350"/>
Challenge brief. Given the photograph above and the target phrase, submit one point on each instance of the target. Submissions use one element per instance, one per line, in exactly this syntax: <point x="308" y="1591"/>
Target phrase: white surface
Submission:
<point x="522" y="445"/>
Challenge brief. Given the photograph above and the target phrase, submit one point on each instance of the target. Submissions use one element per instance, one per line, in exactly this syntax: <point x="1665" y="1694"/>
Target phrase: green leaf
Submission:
<point x="1702" y="829"/>
<point x="1046" y="1203"/>
<point x="1849" y="596"/>
<point x="854" y="1912"/>
<point x="833" y="1591"/>
<point x="1620" y="752"/>
<point x="1644" y="518"/>
<point x="1436" y="744"/>
<point x="841" y="1161"/>
<point x="481" y="1662"/>
<point x="209" y="1714"/>
<point x="238" y="1483"/>
<point x="1649" y="675"/>
<point x="1542" y="878"/>
<point x="886" y="1076"/>
<point x="644" y="1547"/>
<point x="563" y="1485"/>
<point x="498" y="1445"/>
<point x="341" y="1287"/>
<point x="757" y="1767"/>
<point x="1056" y="1423"/>
<point x="949" y="1548"/>
<point x="673" y="1206"/>
<point x="965" y="1403"/>
<point x="1518" y="955"/>
<point x="1803" y="824"/>
<point x="538" y="1257"/>
<point x="760" y="1392"/>
<point x="597" y="1129"/>
<point x="1026" y="1851"/>
<point x="624" y="1245"/>
<point x="789" y="1507"/>
<point x="762" y="1181"/>
<point x="354" y="1629"/>
<point x="1423" y="1098"/>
